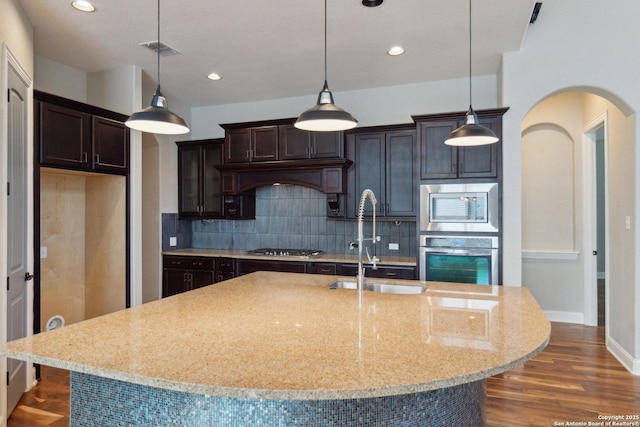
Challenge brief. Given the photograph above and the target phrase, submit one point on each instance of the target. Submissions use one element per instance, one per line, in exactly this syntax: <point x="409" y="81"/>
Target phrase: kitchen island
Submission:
<point x="270" y="349"/>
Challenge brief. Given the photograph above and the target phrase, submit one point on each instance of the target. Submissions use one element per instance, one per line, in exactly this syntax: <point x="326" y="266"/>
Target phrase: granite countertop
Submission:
<point x="337" y="258"/>
<point x="288" y="336"/>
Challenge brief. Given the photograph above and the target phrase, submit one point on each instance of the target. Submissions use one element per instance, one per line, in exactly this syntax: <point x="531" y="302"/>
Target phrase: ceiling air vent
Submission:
<point x="164" y="49"/>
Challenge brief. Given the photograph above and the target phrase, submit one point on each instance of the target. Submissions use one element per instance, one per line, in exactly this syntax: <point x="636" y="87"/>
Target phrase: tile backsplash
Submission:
<point x="287" y="216"/>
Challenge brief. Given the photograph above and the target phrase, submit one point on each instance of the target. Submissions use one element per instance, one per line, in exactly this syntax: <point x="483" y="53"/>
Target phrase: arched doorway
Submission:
<point x="560" y="194"/>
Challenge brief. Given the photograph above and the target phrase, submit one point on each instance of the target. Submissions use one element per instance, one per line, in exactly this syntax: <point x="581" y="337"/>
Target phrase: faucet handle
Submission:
<point x="372" y="260"/>
<point x="353" y="245"/>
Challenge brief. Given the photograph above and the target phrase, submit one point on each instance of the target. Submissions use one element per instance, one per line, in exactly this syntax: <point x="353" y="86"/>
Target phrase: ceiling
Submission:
<point x="267" y="50"/>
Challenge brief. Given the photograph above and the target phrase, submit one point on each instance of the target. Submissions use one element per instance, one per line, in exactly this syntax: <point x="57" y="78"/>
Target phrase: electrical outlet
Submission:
<point x="173" y="241"/>
<point x="394" y="247"/>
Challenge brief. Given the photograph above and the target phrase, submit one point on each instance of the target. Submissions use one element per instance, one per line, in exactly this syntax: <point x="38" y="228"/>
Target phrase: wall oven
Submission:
<point x="459" y="207"/>
<point x="462" y="259"/>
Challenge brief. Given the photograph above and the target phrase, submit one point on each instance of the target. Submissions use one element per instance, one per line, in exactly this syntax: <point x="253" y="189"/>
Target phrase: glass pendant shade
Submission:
<point x="325" y="116"/>
<point x="471" y="133"/>
<point x="157" y="118"/>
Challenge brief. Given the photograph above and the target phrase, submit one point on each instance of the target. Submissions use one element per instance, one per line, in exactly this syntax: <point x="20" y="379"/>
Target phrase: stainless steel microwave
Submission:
<point x="459" y="207"/>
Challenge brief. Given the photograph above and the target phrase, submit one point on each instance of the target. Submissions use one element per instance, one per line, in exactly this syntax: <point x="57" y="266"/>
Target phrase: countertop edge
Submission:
<point x="323" y="258"/>
<point x="241" y="393"/>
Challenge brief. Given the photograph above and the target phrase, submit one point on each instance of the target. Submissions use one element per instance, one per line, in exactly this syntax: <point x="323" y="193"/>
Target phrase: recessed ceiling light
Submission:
<point x="395" y="51"/>
<point x="83" y="5"/>
<point x="214" y="76"/>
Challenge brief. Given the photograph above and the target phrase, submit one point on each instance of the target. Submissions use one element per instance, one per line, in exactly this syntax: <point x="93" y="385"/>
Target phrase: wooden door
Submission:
<point x="480" y="161"/>
<point x="437" y="160"/>
<point x="294" y="143"/>
<point x="327" y="145"/>
<point x="211" y="191"/>
<point x="237" y="146"/>
<point x="264" y="143"/>
<point x="110" y="145"/>
<point x="189" y="180"/>
<point x="65" y="137"/>
<point x="400" y="174"/>
<point x="370" y="171"/>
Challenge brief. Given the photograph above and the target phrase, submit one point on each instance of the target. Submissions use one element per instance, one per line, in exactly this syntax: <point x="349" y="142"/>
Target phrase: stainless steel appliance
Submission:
<point x="459" y="207"/>
<point x="462" y="259"/>
<point x="303" y="253"/>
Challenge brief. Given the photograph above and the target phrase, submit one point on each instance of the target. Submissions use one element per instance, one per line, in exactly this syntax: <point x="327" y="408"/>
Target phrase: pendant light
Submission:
<point x="158" y="118"/>
<point x="471" y="133"/>
<point x="325" y="116"/>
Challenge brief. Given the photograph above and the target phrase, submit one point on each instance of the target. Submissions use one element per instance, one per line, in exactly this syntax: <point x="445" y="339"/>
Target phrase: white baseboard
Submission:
<point x="565" y="316"/>
<point x="623" y="356"/>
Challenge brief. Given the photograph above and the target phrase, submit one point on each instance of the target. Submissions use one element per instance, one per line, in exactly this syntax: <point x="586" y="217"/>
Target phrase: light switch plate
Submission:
<point x="43" y="252"/>
<point x="173" y="241"/>
<point x="394" y="246"/>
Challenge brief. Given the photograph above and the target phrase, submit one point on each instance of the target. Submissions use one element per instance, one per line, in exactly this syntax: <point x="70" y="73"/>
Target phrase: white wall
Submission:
<point x="553" y="155"/>
<point x="59" y="79"/>
<point x="16" y="32"/>
<point x="584" y="49"/>
<point x="16" y="36"/>
<point x="371" y="107"/>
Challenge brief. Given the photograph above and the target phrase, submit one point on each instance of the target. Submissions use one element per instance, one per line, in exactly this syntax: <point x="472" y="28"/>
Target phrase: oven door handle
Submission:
<point x="459" y="252"/>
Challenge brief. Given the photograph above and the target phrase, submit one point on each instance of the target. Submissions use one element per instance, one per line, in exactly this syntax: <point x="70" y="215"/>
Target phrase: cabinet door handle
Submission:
<point x="248" y="154"/>
<point x="97" y="158"/>
<point x="84" y="157"/>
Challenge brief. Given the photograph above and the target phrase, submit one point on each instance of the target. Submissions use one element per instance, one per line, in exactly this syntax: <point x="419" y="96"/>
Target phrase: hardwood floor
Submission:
<point x="574" y="380"/>
<point x="47" y="404"/>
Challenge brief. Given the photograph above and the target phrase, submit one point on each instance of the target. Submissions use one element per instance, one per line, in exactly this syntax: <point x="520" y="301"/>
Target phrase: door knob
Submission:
<point x="27" y="276"/>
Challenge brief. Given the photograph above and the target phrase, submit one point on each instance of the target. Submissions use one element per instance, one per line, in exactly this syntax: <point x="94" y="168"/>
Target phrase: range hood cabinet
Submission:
<point x="328" y="176"/>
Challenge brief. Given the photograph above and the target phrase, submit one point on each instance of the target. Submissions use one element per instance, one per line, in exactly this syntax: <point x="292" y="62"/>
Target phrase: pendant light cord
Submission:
<point x="325" y="40"/>
<point x="470" y="48"/>
<point x="158" y="47"/>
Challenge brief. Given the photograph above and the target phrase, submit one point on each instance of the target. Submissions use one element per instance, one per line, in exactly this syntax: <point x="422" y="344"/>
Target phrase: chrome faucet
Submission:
<point x="373" y="260"/>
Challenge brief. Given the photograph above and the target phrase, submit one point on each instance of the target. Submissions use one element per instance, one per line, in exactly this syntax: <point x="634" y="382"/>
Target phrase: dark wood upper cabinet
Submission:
<point x="72" y="135"/>
<point x="199" y="187"/>
<point x="437" y="160"/>
<point x="256" y="144"/>
<point x="384" y="162"/>
<point x="65" y="136"/>
<point x="441" y="161"/>
<point x="400" y="176"/>
<point x="298" y="144"/>
<point x="110" y="145"/>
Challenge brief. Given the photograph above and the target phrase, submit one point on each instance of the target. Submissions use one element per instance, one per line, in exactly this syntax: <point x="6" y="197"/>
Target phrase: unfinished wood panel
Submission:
<point x="105" y="265"/>
<point x="62" y="232"/>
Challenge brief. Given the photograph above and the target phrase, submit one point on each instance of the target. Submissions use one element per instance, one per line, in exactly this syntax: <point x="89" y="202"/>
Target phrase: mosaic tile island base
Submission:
<point x="283" y="349"/>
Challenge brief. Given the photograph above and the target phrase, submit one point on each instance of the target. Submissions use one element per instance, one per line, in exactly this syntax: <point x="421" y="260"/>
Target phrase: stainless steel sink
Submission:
<point x="343" y="284"/>
<point x="385" y="288"/>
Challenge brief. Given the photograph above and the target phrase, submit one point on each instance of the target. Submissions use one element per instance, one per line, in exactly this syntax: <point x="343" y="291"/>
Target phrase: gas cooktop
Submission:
<point x="306" y="253"/>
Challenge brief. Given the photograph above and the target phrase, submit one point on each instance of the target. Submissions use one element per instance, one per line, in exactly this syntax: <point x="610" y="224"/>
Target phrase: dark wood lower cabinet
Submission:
<point x="181" y="274"/>
<point x="382" y="272"/>
<point x="246" y="266"/>
<point x="225" y="269"/>
<point x="321" y="268"/>
<point x="184" y="273"/>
